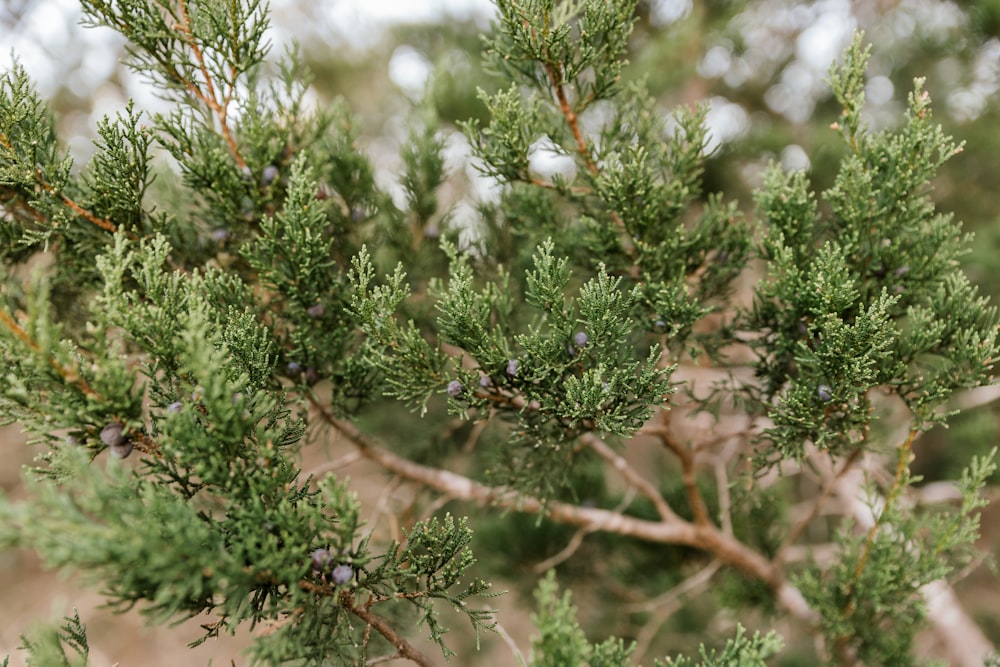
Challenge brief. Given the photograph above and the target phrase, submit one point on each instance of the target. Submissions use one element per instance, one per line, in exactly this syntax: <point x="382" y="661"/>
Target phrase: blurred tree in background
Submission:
<point x="404" y="146"/>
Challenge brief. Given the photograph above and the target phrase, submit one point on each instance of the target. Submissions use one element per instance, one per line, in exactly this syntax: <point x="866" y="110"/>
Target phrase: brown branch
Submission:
<point x="557" y="84"/>
<point x="69" y="374"/>
<point x="210" y="99"/>
<point x="706" y="537"/>
<point x="688" y="472"/>
<point x="405" y="649"/>
<point x="104" y="224"/>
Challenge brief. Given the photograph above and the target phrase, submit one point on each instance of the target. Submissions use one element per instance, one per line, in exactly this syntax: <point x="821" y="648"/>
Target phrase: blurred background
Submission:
<point x="759" y="65"/>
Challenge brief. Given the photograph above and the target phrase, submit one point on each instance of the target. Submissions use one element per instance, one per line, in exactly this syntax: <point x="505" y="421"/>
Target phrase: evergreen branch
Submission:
<point x="69" y="374"/>
<point x="405" y="648"/>
<point x="221" y="110"/>
<point x="964" y="642"/>
<point x="39" y="217"/>
<point x="73" y="206"/>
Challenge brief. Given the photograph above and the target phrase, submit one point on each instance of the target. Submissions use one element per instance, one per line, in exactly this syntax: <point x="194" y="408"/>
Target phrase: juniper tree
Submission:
<point x="177" y="327"/>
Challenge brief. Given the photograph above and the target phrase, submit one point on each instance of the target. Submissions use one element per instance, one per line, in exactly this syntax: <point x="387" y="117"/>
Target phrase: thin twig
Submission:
<point x="688" y="472"/>
<point x="666" y="604"/>
<point x="69" y="374"/>
<point x="817" y="504"/>
<point x="210" y="99"/>
<point x="511" y="644"/>
<point x="405" y="649"/>
<point x="630" y="475"/>
<point x="577" y="540"/>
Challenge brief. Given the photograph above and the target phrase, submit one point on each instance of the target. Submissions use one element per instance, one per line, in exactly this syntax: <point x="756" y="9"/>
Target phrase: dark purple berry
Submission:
<point x="581" y="338"/>
<point x="512" y="367"/>
<point x="174" y="407"/>
<point x="342" y="574"/>
<point x="317" y="311"/>
<point x="825" y="392"/>
<point x="455" y="388"/>
<point x="113" y="434"/>
<point x="121" y="451"/>
<point x="293" y="368"/>
<point x="321" y="559"/>
<point x="269" y="174"/>
<point x="485" y="381"/>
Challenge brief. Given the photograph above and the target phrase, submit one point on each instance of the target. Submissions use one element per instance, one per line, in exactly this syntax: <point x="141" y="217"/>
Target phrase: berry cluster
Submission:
<point x="113" y="435"/>
<point x="323" y="563"/>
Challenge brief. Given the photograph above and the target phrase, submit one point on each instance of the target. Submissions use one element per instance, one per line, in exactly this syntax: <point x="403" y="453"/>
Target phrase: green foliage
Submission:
<point x="739" y="652"/>
<point x="46" y="647"/>
<point x="278" y="298"/>
<point x="868" y="600"/>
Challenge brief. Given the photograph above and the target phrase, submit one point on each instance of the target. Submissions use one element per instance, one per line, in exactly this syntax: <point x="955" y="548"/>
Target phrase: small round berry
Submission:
<point x="246" y="173"/>
<point x="322" y="193"/>
<point x="72" y="441"/>
<point x="455" y="388"/>
<point x="342" y="574"/>
<point x="432" y="232"/>
<point x="659" y="325"/>
<point x="311" y="375"/>
<point x="581" y="338"/>
<point x="269" y="174"/>
<point x="485" y="381"/>
<point x="293" y="368"/>
<point x="113" y="434"/>
<point x="220" y="235"/>
<point x="512" y="367"/>
<point x="121" y="451"/>
<point x="321" y="559"/>
<point x="174" y="407"/>
<point x="825" y="392"/>
<point x="317" y="311"/>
